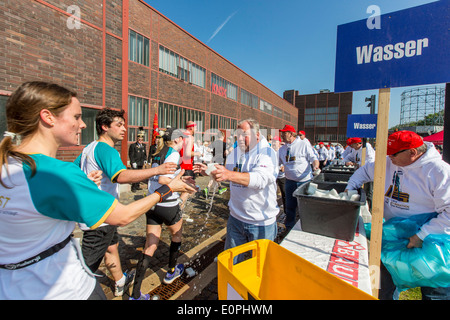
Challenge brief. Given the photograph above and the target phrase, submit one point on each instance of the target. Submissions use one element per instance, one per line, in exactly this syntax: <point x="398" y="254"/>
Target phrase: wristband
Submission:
<point x="164" y="192"/>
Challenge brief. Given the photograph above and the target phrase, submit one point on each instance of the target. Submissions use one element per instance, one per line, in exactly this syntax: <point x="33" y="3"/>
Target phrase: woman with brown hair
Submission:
<point x="42" y="198"/>
<point x="165" y="212"/>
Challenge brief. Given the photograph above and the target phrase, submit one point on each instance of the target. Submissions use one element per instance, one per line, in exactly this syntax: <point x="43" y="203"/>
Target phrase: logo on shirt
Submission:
<point x="394" y="190"/>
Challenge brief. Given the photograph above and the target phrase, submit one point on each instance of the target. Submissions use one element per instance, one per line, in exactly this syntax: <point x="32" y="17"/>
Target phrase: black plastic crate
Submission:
<point x="329" y="217"/>
<point x="331" y="177"/>
<point x="339" y="169"/>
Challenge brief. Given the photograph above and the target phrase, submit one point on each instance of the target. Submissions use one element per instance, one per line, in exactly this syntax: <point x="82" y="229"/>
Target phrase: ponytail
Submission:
<point x="23" y="115"/>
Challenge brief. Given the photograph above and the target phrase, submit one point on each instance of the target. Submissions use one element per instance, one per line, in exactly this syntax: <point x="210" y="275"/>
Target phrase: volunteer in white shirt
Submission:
<point x="323" y="155"/>
<point x="252" y="170"/>
<point x="417" y="182"/>
<point x="331" y="153"/>
<point x="302" y="135"/>
<point x="296" y="156"/>
<point x="348" y="149"/>
<point x="339" y="151"/>
<point x="354" y="157"/>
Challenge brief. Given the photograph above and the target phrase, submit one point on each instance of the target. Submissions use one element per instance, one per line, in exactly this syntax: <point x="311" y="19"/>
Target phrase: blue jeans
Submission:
<point x="239" y="232"/>
<point x="290" y="207"/>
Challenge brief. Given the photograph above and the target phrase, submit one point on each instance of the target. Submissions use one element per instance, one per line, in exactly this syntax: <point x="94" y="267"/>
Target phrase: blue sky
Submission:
<point x="284" y="44"/>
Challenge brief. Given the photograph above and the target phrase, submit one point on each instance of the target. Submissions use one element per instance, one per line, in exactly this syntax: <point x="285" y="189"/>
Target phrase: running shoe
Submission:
<point x="142" y="297"/>
<point x="170" y="277"/>
<point x="129" y="280"/>
<point x="222" y="190"/>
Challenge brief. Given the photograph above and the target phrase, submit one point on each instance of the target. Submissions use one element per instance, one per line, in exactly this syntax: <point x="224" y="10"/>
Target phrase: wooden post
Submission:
<point x="446" y="143"/>
<point x="379" y="189"/>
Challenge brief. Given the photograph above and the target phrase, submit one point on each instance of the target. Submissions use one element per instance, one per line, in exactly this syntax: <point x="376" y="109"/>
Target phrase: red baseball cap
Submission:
<point x="302" y="132"/>
<point x="403" y="140"/>
<point x="288" y="128"/>
<point x="354" y="140"/>
<point x="320" y="143"/>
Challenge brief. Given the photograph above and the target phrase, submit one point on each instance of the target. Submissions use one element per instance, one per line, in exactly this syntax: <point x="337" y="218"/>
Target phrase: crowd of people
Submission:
<point x="46" y="197"/>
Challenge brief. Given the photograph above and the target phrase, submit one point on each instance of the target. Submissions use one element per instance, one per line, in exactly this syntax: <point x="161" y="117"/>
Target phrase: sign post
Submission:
<point x="378" y="190"/>
<point x="411" y="47"/>
<point x="362" y="126"/>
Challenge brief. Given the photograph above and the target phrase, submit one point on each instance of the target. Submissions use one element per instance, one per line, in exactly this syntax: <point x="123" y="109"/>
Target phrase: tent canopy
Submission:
<point x="437" y="138"/>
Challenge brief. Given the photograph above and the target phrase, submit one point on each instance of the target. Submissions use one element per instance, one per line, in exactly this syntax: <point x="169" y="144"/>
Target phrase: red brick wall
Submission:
<point x="37" y="44"/>
<point x="342" y="100"/>
<point x="161" y="31"/>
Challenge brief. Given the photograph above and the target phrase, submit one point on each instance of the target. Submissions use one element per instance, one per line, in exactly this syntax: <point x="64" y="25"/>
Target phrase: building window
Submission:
<point x="223" y="87"/>
<point x="219" y="122"/>
<point x="265" y="106"/>
<point x="287" y="116"/>
<point x="89" y="134"/>
<point x="310" y="111"/>
<point x="198" y="75"/>
<point x="3" y="124"/>
<point x="137" y="117"/>
<point x="183" y="69"/>
<point x="139" y="48"/>
<point x="176" y="117"/>
<point x="322" y="117"/>
<point x="249" y="99"/>
<point x="168" y="61"/>
<point x="277" y="112"/>
<point x="175" y="65"/>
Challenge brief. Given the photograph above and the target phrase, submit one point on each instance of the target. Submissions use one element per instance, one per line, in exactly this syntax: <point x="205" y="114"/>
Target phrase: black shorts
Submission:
<point x="189" y="173"/>
<point x="167" y="215"/>
<point x="96" y="242"/>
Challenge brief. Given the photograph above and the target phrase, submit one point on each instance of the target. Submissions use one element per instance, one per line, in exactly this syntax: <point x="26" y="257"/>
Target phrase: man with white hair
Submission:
<point x="252" y="170"/>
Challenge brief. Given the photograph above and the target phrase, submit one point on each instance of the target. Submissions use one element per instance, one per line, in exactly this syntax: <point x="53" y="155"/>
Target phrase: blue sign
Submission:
<point x="411" y="47"/>
<point x="362" y="126"/>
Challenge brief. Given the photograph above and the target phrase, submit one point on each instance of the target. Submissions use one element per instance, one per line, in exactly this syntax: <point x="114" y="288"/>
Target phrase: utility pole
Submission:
<point x="371" y="104"/>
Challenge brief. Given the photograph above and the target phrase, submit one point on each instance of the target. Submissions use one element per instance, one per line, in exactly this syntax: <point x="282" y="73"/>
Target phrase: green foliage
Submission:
<point x="432" y="119"/>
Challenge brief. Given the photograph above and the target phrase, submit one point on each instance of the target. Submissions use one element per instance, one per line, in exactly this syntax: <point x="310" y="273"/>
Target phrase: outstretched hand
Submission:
<point x="95" y="176"/>
<point x="178" y="185"/>
<point x="221" y="173"/>
<point x="167" y="168"/>
<point x="200" y="168"/>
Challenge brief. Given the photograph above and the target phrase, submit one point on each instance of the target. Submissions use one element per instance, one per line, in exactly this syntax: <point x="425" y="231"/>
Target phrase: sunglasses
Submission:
<point x="397" y="153"/>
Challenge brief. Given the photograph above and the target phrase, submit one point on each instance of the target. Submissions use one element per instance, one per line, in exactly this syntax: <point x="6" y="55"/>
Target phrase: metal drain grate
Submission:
<point x="165" y="291"/>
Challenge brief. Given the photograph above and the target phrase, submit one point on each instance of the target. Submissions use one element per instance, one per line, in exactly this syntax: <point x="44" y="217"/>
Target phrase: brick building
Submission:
<point x="323" y="116"/>
<point x="126" y="55"/>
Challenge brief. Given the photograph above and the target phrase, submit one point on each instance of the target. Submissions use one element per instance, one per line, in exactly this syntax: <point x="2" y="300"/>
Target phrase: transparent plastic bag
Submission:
<point x="428" y="266"/>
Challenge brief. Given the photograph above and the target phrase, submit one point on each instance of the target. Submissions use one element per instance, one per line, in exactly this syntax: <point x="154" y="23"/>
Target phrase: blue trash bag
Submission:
<point x="428" y="266"/>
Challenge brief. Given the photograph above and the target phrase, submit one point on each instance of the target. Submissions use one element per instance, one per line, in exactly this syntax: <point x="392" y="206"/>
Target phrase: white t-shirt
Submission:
<point x="297" y="158"/>
<point x="256" y="203"/>
<point x="153" y="184"/>
<point x="38" y="212"/>
<point x="101" y="156"/>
